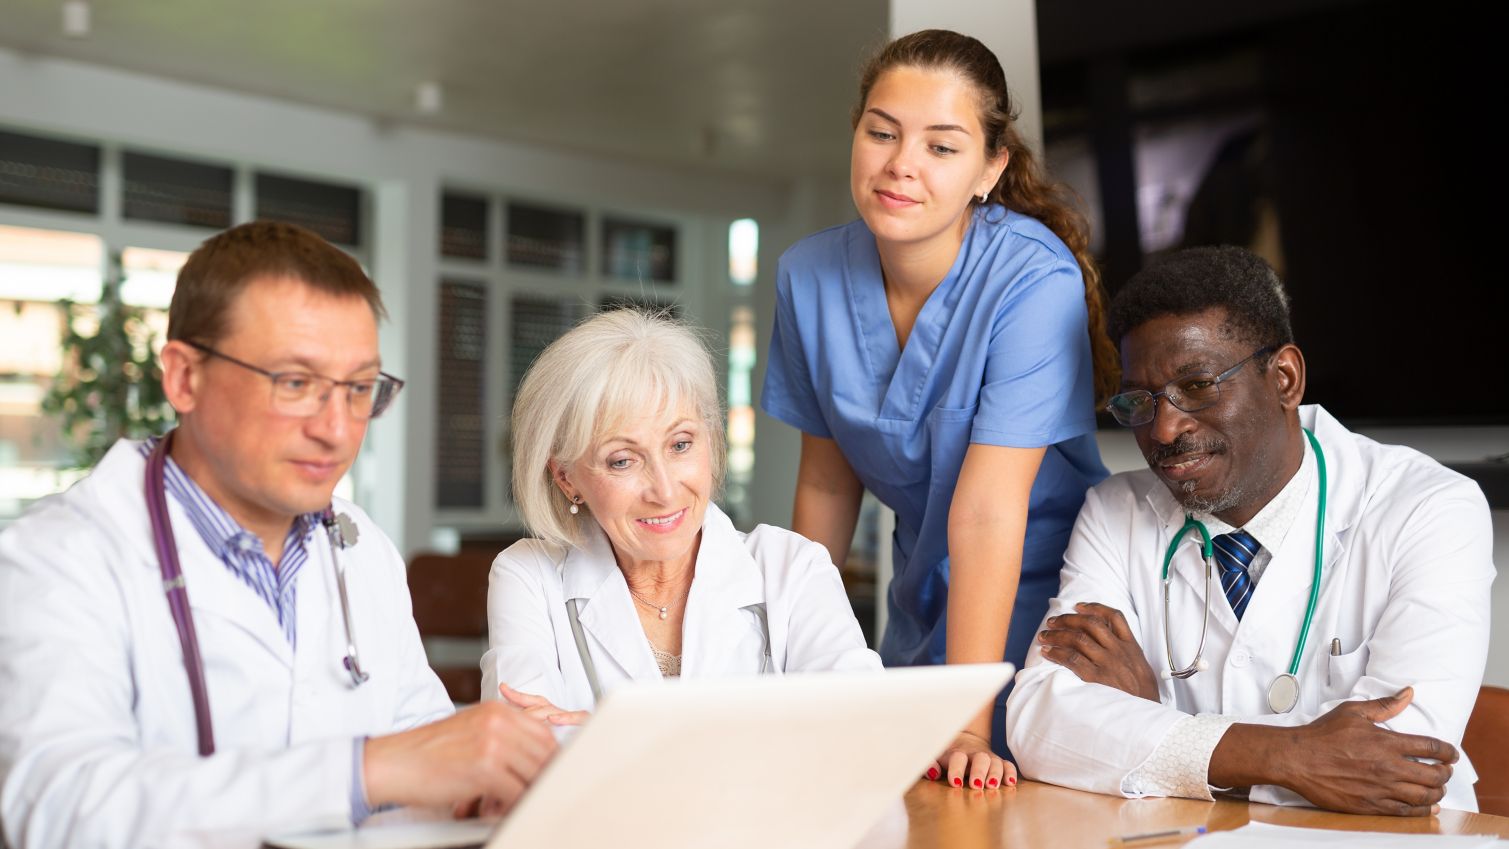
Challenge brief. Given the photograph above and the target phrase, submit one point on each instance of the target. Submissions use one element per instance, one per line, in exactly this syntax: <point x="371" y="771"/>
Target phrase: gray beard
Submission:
<point x="1207" y="505"/>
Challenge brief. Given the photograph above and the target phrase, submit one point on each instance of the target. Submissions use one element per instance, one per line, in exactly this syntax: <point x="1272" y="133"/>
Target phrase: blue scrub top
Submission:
<point x="999" y="355"/>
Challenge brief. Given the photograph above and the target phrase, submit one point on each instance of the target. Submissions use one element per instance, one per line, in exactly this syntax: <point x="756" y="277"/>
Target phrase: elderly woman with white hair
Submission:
<point x="635" y="573"/>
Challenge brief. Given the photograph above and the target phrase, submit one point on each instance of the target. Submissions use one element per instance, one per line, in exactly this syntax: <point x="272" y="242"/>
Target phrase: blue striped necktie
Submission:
<point x="1234" y="553"/>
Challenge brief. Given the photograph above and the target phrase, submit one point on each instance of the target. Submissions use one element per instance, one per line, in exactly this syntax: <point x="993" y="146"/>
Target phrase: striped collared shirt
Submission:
<point x="241" y="550"/>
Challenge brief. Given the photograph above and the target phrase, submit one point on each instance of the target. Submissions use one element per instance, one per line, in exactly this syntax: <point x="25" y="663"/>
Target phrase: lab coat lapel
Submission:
<point x="1344" y="490"/>
<point x="591" y="575"/>
<point x="318" y="612"/>
<point x="1344" y="487"/>
<point x="117" y="487"/>
<point x="716" y="634"/>
<point x="1283" y="593"/>
<point x="215" y="592"/>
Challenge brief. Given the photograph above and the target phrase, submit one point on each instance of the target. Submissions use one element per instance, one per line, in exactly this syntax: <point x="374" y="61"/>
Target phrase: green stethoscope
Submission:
<point x="1283" y="693"/>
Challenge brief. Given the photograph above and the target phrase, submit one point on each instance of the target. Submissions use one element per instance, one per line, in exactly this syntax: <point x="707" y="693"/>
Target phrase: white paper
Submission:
<point x="1260" y="835"/>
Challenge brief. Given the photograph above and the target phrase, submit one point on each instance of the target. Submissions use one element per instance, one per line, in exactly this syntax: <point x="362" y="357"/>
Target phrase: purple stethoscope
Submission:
<point x="339" y="528"/>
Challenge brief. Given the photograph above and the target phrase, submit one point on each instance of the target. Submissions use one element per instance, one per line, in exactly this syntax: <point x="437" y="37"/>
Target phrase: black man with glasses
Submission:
<point x="199" y="643"/>
<point x="1277" y="607"/>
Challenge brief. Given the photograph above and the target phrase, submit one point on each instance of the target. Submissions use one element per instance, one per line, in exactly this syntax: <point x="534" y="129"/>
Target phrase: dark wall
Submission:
<point x="1388" y="177"/>
<point x="1379" y="151"/>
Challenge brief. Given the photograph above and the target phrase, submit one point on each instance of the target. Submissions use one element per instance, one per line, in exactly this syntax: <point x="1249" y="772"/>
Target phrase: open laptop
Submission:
<point x="793" y="761"/>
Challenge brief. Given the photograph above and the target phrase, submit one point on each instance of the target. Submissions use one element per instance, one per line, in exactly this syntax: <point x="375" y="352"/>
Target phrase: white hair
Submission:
<point x="613" y="366"/>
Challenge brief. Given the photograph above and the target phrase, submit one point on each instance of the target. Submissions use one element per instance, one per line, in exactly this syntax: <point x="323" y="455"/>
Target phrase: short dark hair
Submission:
<point x="219" y="269"/>
<point x="1194" y="280"/>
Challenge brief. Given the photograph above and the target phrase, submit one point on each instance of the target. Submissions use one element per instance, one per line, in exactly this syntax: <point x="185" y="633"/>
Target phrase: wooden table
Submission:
<point x="1037" y="815"/>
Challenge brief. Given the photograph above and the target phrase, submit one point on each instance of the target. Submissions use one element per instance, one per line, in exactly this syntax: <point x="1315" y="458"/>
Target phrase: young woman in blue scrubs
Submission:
<point x="945" y="352"/>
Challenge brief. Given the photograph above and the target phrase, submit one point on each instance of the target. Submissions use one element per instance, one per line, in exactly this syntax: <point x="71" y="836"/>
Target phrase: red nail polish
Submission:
<point x="1011" y="781"/>
<point x="992" y="782"/>
<point x="932" y="773"/>
<point x="977" y="782"/>
<point x="958" y="782"/>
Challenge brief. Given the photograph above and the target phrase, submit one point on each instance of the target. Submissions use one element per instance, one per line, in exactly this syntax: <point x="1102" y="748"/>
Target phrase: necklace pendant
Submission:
<point x="662" y="613"/>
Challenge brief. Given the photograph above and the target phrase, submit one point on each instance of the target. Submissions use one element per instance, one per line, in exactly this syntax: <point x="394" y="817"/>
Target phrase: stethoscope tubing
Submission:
<point x="177" y="591"/>
<point x="1174" y="671"/>
<point x="1320" y="537"/>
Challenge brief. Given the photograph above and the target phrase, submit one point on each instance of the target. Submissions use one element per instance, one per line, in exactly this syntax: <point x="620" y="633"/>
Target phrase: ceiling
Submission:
<point x="756" y="87"/>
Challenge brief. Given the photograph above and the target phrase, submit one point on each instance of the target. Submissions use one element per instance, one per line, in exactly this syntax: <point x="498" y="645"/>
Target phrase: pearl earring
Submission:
<point x="575" y="500"/>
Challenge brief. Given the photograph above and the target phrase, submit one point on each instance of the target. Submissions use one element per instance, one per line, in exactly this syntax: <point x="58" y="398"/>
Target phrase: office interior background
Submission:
<point x="504" y="169"/>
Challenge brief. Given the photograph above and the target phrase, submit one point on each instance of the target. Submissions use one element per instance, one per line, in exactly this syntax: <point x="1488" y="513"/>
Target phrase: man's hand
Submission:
<point x="1342" y="761"/>
<point x="1097" y="645"/>
<point x="492" y="750"/>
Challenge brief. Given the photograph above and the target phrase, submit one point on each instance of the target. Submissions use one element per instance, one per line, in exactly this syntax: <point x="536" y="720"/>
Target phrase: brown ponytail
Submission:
<point x="1024" y="187"/>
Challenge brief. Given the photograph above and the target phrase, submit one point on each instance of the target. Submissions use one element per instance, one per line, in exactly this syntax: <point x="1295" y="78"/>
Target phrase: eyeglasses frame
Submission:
<point x="1165" y="392"/>
<point x="274" y="376"/>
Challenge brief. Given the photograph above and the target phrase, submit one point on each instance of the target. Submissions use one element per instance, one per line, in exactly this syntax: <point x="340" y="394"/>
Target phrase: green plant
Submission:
<point x="110" y="385"/>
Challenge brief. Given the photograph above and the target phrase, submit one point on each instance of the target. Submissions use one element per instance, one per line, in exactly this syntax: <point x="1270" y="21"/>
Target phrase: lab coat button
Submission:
<point x="1240" y="658"/>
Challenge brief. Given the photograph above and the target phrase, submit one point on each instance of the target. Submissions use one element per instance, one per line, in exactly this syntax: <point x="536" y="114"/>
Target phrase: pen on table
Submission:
<point x="1167" y="834"/>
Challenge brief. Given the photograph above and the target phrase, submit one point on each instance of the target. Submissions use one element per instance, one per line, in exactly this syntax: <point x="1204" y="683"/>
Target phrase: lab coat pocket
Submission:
<point x="1343" y="671"/>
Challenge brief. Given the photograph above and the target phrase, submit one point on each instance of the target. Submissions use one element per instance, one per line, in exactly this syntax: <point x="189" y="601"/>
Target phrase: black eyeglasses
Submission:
<point x="302" y="393"/>
<point x="1189" y="393"/>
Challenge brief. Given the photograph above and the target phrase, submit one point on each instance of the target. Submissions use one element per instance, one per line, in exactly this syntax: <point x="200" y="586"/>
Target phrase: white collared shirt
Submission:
<point x="1272" y="523"/>
<point x="531" y="646"/>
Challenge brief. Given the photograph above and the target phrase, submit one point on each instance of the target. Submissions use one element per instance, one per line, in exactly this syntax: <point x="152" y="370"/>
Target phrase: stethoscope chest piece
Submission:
<point x="343" y="530"/>
<point x="1283" y="693"/>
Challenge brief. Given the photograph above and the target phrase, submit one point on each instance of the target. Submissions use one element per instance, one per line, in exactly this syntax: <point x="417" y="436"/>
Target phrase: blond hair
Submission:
<point x="611" y="367"/>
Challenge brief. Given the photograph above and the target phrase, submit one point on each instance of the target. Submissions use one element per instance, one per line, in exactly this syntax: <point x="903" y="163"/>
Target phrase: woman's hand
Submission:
<point x="540" y="708"/>
<point x="970" y="763"/>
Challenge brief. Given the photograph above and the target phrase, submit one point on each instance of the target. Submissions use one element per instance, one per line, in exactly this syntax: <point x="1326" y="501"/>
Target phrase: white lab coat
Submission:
<point x="97" y="731"/>
<point x="812" y="626"/>
<point x="1407" y="569"/>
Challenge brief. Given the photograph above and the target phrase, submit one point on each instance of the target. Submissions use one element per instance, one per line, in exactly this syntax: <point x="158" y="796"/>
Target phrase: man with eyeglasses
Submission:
<point x="198" y="643"/>
<point x="1326" y="646"/>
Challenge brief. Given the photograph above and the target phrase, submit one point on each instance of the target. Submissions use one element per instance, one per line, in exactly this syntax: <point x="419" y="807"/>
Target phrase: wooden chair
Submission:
<point x="1487" y="744"/>
<point x="450" y="601"/>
